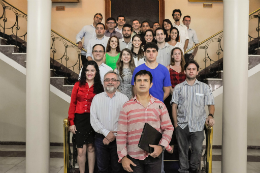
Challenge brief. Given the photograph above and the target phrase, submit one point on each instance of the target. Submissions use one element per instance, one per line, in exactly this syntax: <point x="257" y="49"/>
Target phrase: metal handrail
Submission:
<point x="66" y="145"/>
<point x="215" y="34"/>
<point x="209" y="141"/>
<point x="51" y="30"/>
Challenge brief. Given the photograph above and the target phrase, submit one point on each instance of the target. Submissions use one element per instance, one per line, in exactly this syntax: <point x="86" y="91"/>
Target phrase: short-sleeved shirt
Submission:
<point x="161" y="78"/>
<point x="191" y="101"/>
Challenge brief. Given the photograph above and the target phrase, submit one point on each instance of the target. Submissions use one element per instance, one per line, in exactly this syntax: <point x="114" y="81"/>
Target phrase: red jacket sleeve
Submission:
<point x="73" y="103"/>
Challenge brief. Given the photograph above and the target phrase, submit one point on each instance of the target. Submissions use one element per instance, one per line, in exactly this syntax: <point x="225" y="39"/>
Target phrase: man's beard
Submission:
<point x="110" y="89"/>
<point x="127" y="36"/>
<point x="177" y="20"/>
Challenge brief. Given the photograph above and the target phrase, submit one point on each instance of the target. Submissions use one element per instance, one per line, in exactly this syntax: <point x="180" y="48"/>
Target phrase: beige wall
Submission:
<point x="13" y="112"/>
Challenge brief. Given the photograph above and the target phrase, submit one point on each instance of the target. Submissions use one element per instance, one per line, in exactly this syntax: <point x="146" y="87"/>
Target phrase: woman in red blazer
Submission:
<point x="79" y="113"/>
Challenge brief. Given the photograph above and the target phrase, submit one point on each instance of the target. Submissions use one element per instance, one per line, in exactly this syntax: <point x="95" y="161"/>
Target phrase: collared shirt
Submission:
<point x="134" y="33"/>
<point x="119" y="30"/>
<point x="95" y="41"/>
<point x="81" y="98"/>
<point x="192" y="39"/>
<point x="103" y="69"/>
<point x="123" y="44"/>
<point x="114" y="33"/>
<point x="104" y="112"/>
<point x="87" y="32"/>
<point x="164" y="55"/>
<point x="183" y="32"/>
<point x="191" y="101"/>
<point x="131" y="122"/>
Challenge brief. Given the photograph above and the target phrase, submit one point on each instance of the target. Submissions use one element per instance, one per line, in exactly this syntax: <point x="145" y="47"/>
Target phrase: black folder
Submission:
<point x="149" y="136"/>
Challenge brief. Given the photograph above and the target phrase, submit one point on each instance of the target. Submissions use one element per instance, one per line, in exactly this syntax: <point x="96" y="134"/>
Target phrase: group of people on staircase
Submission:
<point x="133" y="75"/>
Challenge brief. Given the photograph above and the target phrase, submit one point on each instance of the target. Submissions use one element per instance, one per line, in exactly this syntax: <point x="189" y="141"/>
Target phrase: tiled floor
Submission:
<point x="17" y="164"/>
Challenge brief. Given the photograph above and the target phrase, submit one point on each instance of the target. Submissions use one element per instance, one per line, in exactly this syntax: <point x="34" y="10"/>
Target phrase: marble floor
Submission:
<point x="17" y="164"/>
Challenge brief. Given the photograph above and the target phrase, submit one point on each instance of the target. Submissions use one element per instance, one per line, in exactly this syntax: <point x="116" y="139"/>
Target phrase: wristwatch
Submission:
<point x="211" y="115"/>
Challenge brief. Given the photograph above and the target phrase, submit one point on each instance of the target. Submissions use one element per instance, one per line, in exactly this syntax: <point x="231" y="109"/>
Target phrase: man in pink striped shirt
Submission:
<point x="143" y="108"/>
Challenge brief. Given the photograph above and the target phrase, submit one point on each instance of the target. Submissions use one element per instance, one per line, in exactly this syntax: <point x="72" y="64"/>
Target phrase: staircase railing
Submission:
<point x="13" y="27"/>
<point x="212" y="48"/>
<point x="66" y="145"/>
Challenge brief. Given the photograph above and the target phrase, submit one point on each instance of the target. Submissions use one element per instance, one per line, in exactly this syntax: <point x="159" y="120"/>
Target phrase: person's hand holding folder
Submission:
<point x="157" y="150"/>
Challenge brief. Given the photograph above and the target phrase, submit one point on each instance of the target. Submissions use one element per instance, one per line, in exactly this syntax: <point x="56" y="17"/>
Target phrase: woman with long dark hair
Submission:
<point x="175" y="37"/>
<point x="167" y="26"/>
<point x="137" y="51"/>
<point x="125" y="68"/>
<point x="112" y="52"/>
<point x="79" y="113"/>
<point x="148" y="36"/>
<point x="176" y="70"/>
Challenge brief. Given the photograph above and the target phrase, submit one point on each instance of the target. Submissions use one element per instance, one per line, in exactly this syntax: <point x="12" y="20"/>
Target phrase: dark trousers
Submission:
<point x="186" y="139"/>
<point x="107" y="157"/>
<point x="83" y="59"/>
<point x="148" y="165"/>
<point x="187" y="57"/>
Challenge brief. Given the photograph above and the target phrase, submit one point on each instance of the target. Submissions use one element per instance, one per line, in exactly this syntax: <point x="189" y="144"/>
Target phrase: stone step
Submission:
<point x="214" y="83"/>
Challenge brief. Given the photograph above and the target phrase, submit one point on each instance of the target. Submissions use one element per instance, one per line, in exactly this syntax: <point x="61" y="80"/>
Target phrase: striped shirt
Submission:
<point x="191" y="101"/>
<point x="104" y="112"/>
<point x="131" y="122"/>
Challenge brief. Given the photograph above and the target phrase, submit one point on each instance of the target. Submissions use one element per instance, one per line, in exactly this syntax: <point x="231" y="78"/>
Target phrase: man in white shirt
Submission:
<point x="98" y="52"/>
<point x="126" y="41"/>
<point x="184" y="36"/>
<point x="193" y="39"/>
<point x="164" y="52"/>
<point x="99" y="39"/>
<point x="87" y="32"/>
<point x="104" y="113"/>
<point x="120" y="23"/>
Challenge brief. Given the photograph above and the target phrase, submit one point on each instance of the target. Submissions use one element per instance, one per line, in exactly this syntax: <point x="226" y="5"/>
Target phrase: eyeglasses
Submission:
<point x="110" y="22"/>
<point x="95" y="51"/>
<point x="112" y="80"/>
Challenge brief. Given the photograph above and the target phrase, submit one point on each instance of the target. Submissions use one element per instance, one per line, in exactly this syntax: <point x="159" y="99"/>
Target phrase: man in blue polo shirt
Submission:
<point x="161" y="76"/>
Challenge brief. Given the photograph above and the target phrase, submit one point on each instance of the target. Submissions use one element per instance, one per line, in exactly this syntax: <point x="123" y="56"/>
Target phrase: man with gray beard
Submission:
<point x="104" y="113"/>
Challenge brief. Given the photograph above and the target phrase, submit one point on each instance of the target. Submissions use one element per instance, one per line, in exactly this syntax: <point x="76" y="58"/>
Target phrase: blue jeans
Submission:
<point x="185" y="139"/>
<point x="107" y="157"/>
